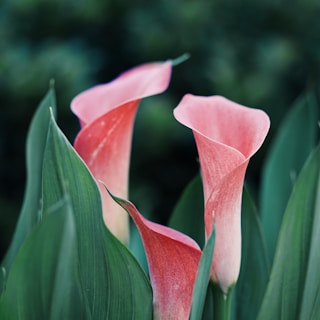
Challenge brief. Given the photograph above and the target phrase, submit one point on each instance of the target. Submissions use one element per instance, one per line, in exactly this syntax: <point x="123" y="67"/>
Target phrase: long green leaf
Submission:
<point x="113" y="285"/>
<point x="202" y="279"/>
<point x="42" y="283"/>
<point x="255" y="267"/>
<point x="292" y="145"/>
<point x="310" y="307"/>
<point x="294" y="284"/>
<point x="36" y="142"/>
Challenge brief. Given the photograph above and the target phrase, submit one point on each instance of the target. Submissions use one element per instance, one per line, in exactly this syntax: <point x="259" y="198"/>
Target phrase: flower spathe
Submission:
<point x="227" y="135"/>
<point x="173" y="260"/>
<point x="106" y="113"/>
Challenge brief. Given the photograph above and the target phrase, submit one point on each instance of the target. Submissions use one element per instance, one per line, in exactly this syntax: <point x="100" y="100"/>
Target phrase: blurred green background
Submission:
<point x="258" y="53"/>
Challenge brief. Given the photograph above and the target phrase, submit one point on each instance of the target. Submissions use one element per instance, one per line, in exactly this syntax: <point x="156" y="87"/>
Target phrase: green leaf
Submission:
<point x="292" y="145"/>
<point x="255" y="267"/>
<point x="42" y="281"/>
<point x="180" y="59"/>
<point x="294" y="286"/>
<point x="202" y="279"/>
<point x="36" y="141"/>
<point x="310" y="307"/>
<point x="188" y="215"/>
<point x="208" y="305"/>
<point x="113" y="285"/>
<point x="137" y="248"/>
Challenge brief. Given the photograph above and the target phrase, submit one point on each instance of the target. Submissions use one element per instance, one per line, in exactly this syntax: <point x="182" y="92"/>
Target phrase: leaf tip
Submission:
<point x="184" y="57"/>
<point x="52" y="84"/>
<point x="51" y="114"/>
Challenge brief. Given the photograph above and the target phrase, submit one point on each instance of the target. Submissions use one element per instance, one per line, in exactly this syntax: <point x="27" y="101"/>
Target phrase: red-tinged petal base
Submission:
<point x="223" y="209"/>
<point x="105" y="147"/>
<point x="173" y="260"/>
<point x="106" y="113"/>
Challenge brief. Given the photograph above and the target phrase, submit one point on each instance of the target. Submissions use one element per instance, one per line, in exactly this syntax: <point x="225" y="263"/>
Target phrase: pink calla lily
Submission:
<point x="227" y="135"/>
<point x="173" y="260"/>
<point x="106" y="113"/>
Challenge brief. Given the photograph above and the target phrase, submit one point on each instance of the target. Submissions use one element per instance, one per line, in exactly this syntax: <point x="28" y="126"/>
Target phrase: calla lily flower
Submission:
<point x="106" y="113"/>
<point x="173" y="260"/>
<point x="227" y="136"/>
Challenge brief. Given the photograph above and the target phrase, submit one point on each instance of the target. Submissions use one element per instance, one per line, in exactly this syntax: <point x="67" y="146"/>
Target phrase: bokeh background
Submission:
<point x="258" y="53"/>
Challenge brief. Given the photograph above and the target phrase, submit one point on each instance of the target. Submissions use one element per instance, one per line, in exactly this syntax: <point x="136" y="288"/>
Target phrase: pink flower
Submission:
<point x="173" y="260"/>
<point x="106" y="113"/>
<point x="227" y="135"/>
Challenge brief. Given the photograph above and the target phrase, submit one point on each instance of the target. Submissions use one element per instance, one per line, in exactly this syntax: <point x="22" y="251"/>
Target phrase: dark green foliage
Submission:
<point x="43" y="282"/>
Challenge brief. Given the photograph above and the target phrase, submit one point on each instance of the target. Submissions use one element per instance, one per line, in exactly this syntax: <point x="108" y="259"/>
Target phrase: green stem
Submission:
<point x="221" y="303"/>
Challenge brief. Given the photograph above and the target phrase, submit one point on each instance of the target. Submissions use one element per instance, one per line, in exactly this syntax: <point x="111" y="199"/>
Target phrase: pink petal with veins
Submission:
<point x="173" y="260"/>
<point x="227" y="135"/>
<point x="106" y="113"/>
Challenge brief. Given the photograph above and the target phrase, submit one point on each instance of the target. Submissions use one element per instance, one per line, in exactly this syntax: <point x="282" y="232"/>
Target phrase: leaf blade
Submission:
<point x="36" y="141"/>
<point x="42" y="281"/>
<point x="255" y="266"/>
<point x="202" y="279"/>
<point x="295" y="255"/>
<point x="291" y="147"/>
<point x="112" y="283"/>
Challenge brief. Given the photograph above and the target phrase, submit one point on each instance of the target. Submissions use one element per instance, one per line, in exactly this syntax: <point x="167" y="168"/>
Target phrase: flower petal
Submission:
<point x="137" y="83"/>
<point x="223" y="209"/>
<point x="105" y="146"/>
<point x="227" y="135"/>
<point x="173" y="260"/>
<point x="107" y="114"/>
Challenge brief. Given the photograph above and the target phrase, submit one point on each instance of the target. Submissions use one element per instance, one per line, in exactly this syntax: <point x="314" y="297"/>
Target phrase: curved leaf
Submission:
<point x="112" y="283"/>
<point x="292" y="145"/>
<point x="36" y="141"/>
<point x="202" y="279"/>
<point x="42" y="281"/>
<point x="255" y="266"/>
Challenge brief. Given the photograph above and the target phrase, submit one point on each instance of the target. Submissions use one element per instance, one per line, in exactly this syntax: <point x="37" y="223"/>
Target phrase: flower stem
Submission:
<point x="221" y="303"/>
